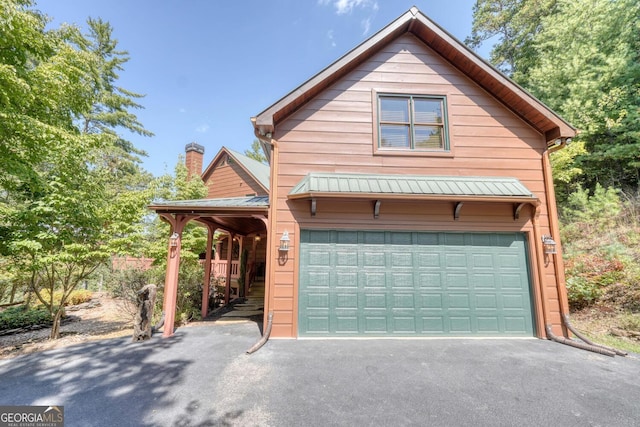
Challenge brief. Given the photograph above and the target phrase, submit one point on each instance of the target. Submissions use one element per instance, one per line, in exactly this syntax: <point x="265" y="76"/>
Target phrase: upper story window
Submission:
<point x="412" y="122"/>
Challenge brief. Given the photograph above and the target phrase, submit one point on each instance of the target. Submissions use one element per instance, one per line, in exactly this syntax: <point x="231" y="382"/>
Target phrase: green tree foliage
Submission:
<point x="512" y="25"/>
<point x="582" y="58"/>
<point x="589" y="71"/>
<point x="255" y="152"/>
<point x="56" y="129"/>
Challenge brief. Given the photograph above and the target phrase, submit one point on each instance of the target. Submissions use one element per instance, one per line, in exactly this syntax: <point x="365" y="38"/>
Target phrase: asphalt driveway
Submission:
<point x="202" y="377"/>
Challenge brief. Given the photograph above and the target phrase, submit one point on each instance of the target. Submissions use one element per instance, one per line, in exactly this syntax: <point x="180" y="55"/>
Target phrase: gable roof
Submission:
<point x="505" y="90"/>
<point x="258" y="171"/>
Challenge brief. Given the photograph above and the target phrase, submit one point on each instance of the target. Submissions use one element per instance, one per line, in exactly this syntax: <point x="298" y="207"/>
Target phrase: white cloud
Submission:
<point x="204" y="128"/>
<point x="346" y="6"/>
<point x="182" y="110"/>
<point x="331" y="39"/>
<point x="366" y="25"/>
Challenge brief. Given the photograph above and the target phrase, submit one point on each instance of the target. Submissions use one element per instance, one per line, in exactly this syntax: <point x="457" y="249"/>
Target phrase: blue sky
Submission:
<point x="206" y="67"/>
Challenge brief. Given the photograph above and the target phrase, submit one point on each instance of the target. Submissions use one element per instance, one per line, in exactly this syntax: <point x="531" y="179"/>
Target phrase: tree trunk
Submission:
<point x="55" y="328"/>
<point x="142" y="329"/>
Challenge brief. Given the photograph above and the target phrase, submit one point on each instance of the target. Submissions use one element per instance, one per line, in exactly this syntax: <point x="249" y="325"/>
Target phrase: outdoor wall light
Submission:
<point x="173" y="240"/>
<point x="284" y="242"/>
<point x="258" y="238"/>
<point x="549" y="245"/>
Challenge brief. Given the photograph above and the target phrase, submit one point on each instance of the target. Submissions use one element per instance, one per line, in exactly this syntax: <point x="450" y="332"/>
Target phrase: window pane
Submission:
<point x="394" y="136"/>
<point x="427" y="110"/>
<point x="394" y="110"/>
<point x="428" y="137"/>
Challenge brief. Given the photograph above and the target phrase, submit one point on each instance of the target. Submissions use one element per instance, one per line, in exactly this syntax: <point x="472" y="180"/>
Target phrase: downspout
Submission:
<point x="558" y="263"/>
<point x="548" y="328"/>
<point x="273" y="182"/>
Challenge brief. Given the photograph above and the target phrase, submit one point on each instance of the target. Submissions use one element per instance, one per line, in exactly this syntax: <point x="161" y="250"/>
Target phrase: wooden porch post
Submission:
<point x="173" y="266"/>
<point x="252" y="270"/>
<point x="207" y="272"/>
<point x="227" y="282"/>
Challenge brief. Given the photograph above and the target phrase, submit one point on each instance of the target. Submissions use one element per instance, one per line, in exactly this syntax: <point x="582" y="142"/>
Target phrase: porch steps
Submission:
<point x="253" y="304"/>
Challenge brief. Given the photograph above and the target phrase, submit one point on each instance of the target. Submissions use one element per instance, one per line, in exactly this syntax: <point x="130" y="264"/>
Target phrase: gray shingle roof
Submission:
<point x="416" y="185"/>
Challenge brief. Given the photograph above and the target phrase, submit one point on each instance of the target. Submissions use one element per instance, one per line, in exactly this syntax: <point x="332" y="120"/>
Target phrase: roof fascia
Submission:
<point x="424" y="197"/>
<point x="407" y="23"/>
<point x="216" y="159"/>
<point x="213" y="163"/>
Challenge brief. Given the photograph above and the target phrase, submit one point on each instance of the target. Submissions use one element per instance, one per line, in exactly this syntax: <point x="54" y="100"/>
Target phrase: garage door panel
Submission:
<point x="483" y="261"/>
<point x="346" y="324"/>
<point x="428" y="259"/>
<point x="346" y="258"/>
<point x="511" y="281"/>
<point x="456" y="260"/>
<point x="400" y="280"/>
<point x="375" y="324"/>
<point x="372" y="238"/>
<point x="430" y="280"/>
<point x="372" y="300"/>
<point x="486" y="301"/>
<point x="432" y="300"/>
<point x="484" y="281"/>
<point x="374" y="280"/>
<point x="457" y="281"/>
<point x="413" y="283"/>
<point x="346" y="279"/>
<point x="317" y="280"/>
<point x="404" y="325"/>
<point x="488" y="324"/>
<point x="458" y="301"/>
<point x="460" y="325"/>
<point x="404" y="301"/>
<point x="401" y="260"/>
<point x="433" y="325"/>
<point x="515" y="324"/>
<point x="317" y="325"/>
<point x="374" y="259"/>
<point x="344" y="301"/>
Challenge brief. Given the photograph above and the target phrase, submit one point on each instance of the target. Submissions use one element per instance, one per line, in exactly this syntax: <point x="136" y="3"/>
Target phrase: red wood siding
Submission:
<point x="334" y="132"/>
<point x="231" y="180"/>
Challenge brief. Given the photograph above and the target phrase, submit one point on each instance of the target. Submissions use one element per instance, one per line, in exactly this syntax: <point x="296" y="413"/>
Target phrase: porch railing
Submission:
<point x="219" y="269"/>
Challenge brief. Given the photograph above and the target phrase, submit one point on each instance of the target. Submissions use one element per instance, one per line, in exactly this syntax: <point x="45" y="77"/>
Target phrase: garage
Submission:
<point x="402" y="284"/>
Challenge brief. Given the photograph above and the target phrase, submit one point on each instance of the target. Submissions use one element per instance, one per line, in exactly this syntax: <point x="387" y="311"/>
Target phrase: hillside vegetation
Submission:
<point x="601" y="242"/>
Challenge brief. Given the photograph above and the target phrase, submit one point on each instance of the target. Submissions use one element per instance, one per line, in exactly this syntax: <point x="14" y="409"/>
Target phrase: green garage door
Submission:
<point x="383" y="283"/>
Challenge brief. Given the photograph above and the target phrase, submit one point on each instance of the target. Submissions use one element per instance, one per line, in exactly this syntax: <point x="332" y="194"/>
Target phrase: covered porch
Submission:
<point x="237" y="246"/>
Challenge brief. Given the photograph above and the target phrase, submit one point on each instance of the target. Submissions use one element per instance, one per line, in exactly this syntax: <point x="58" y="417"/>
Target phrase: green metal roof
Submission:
<point x="409" y="185"/>
<point x="259" y="170"/>
<point x="224" y="203"/>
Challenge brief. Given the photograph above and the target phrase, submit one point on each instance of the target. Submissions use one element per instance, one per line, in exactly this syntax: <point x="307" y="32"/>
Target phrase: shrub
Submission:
<point x="189" y="299"/>
<point x="77" y="297"/>
<point x="22" y="316"/>
<point x="582" y="292"/>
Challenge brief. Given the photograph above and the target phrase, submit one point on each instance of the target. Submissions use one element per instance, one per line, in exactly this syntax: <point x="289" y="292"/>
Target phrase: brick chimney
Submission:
<point x="193" y="159"/>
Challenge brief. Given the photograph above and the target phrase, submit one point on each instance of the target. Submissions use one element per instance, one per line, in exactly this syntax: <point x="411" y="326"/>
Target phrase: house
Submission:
<point x="410" y="195"/>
